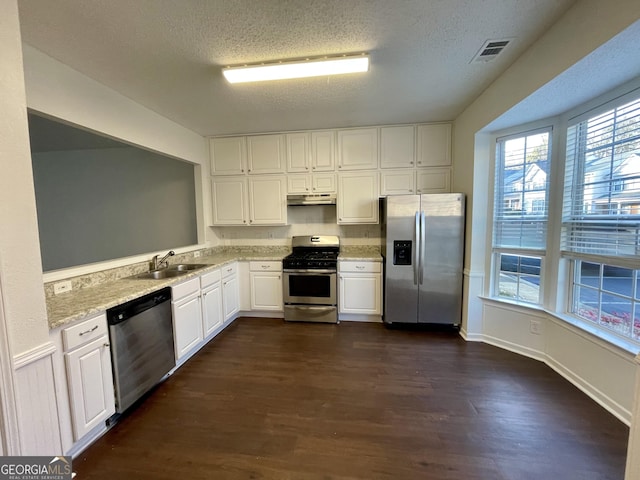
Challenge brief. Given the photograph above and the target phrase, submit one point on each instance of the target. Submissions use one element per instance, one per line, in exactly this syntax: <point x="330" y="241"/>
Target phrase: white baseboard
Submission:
<point x="87" y="440"/>
<point x="515" y="348"/>
<point x="350" y="317"/>
<point x="470" y="337"/>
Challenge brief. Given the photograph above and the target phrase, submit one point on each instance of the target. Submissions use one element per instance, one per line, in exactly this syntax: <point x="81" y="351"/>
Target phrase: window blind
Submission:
<point x="601" y="209"/>
<point x="521" y="190"/>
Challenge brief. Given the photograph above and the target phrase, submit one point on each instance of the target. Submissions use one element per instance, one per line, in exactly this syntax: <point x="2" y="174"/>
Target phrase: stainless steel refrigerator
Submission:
<point x="423" y="248"/>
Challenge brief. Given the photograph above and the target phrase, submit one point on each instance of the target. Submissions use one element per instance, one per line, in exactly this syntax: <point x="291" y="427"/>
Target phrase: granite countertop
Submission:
<point x="370" y="253"/>
<point x="77" y="304"/>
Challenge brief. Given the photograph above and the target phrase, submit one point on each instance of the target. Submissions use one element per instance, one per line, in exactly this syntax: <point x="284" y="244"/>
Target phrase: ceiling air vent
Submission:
<point x="490" y="50"/>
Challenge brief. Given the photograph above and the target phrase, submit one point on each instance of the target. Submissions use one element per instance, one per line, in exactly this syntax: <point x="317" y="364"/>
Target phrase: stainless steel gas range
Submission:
<point x="310" y="279"/>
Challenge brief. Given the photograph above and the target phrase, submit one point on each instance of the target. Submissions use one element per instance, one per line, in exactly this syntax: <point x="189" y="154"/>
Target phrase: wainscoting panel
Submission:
<point x="602" y="371"/>
<point x="511" y="328"/>
<point x="36" y="401"/>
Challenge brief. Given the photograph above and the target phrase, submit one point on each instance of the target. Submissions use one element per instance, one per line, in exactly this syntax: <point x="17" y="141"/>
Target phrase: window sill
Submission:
<point x="627" y="346"/>
<point x="623" y="344"/>
<point x="515" y="303"/>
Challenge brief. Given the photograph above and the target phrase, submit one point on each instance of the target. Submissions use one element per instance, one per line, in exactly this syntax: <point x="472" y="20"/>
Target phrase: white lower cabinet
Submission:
<point x="230" y="291"/>
<point x="89" y="378"/>
<point x="187" y="318"/>
<point x="212" y="315"/>
<point x="266" y="286"/>
<point x="360" y="289"/>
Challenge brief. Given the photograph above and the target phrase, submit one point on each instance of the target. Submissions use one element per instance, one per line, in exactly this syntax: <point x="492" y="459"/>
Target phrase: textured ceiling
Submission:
<point x="167" y="55"/>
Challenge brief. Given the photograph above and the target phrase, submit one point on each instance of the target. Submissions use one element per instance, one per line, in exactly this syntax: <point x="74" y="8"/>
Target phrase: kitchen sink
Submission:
<point x="159" y="274"/>
<point x="186" y="267"/>
<point x="170" y="272"/>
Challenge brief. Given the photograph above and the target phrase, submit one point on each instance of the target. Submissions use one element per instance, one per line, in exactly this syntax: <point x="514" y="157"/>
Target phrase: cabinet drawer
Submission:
<point x="229" y="270"/>
<point x="84" y="332"/>
<point x="267" y="266"/>
<point x="185" y="288"/>
<point x="210" y="278"/>
<point x="351" y="266"/>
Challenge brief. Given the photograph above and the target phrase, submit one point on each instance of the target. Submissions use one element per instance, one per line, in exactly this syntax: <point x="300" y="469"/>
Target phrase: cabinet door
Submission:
<point x="230" y="297"/>
<point x="324" y="182"/>
<point x="434" y="180"/>
<point x="298" y="152"/>
<point x="266" y="291"/>
<point x="266" y="154"/>
<point x="397" y="182"/>
<point x="229" y="197"/>
<point x="323" y="149"/>
<point x="358" y="149"/>
<point x="358" y="197"/>
<point x="434" y="145"/>
<point x="298" y="183"/>
<point x="268" y="200"/>
<point x="228" y="155"/>
<point x="187" y="325"/>
<point x="90" y="385"/>
<point x="212" y="315"/>
<point x="397" y="147"/>
<point x="360" y="293"/>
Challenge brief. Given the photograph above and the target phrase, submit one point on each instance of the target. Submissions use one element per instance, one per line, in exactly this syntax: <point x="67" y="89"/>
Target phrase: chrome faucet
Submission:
<point x="156" y="264"/>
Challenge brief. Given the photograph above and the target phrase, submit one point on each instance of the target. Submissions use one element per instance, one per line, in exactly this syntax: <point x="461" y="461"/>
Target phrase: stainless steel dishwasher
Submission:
<point x="141" y="333"/>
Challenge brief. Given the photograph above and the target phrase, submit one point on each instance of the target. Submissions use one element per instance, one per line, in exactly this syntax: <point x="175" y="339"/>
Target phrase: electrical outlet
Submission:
<point x="197" y="253"/>
<point x="62" y="287"/>
<point x="535" y="327"/>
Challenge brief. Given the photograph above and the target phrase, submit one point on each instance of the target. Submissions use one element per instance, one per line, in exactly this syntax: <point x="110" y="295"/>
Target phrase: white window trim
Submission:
<point x="501" y="135"/>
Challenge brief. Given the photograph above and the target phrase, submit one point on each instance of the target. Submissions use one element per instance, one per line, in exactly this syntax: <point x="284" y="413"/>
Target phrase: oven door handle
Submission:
<point x="310" y="271"/>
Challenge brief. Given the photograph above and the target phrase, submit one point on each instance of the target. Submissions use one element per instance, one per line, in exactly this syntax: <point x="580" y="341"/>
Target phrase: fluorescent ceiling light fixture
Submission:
<point x="318" y="67"/>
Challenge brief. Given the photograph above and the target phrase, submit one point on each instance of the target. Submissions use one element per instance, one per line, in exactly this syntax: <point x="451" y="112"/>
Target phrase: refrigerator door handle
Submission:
<point x="423" y="244"/>
<point x="416" y="247"/>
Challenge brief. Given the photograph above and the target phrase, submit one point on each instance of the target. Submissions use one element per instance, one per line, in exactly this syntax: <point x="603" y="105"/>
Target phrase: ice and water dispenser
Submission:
<point x="402" y="252"/>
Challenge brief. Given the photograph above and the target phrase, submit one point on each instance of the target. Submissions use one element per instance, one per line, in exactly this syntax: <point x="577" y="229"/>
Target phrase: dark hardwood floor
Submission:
<point x="273" y="400"/>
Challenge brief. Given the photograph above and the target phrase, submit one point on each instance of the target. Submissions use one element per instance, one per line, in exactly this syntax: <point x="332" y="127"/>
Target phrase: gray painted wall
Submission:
<point x="103" y="204"/>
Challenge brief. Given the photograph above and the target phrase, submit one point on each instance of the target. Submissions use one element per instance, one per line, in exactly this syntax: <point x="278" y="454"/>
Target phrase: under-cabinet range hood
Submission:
<point x="312" y="199"/>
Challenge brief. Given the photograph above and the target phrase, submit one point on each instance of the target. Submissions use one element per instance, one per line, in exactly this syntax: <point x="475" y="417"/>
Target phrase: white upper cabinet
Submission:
<point x="434" y="145"/>
<point x="298" y="152"/>
<point x="229" y="198"/>
<point x="260" y="200"/>
<point x="266" y="154"/>
<point x="323" y="183"/>
<point x="397" y="147"/>
<point x="358" y="149"/>
<point x="434" y="180"/>
<point x="228" y="155"/>
<point x="357" y="197"/>
<point x="268" y="200"/>
<point x="299" y="183"/>
<point x="323" y="148"/>
<point x="397" y="182"/>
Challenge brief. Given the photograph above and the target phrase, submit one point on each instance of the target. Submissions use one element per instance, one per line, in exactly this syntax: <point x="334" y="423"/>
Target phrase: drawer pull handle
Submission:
<point x="107" y="345"/>
<point x="360" y="267"/>
<point x="265" y="266"/>
<point x="89" y="331"/>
